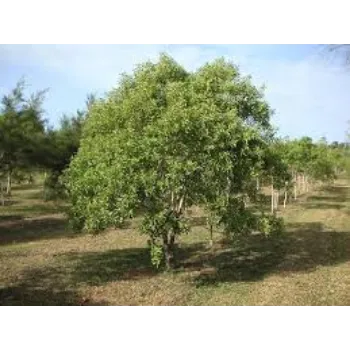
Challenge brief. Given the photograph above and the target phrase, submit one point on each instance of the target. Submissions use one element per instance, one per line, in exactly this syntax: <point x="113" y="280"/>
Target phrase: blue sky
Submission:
<point x="308" y="90"/>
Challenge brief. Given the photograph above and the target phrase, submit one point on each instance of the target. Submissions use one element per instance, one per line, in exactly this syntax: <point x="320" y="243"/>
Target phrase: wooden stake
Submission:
<point x="298" y="184"/>
<point x="8" y="191"/>
<point x="272" y="199"/>
<point x="285" y="198"/>
<point x="285" y="194"/>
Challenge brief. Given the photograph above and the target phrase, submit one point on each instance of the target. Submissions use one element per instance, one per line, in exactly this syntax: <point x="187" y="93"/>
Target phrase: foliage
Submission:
<point x="271" y="225"/>
<point x="236" y="219"/>
<point x="276" y="165"/>
<point x="157" y="255"/>
<point x="53" y="187"/>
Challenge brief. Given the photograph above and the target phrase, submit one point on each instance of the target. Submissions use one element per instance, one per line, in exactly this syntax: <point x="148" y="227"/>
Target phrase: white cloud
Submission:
<point x="309" y="95"/>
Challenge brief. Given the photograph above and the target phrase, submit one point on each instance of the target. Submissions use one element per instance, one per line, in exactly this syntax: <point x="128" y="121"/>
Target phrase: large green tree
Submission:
<point x="165" y="139"/>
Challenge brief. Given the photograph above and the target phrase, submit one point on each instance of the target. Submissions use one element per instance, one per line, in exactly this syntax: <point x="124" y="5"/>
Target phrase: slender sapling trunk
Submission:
<point x="285" y="198"/>
<point x="168" y="246"/>
<point x="272" y="198"/>
<point x="8" y="190"/>
<point x="211" y="235"/>
<point x="2" y="194"/>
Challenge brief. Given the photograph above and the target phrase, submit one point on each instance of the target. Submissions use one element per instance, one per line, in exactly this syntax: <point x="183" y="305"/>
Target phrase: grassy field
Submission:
<point x="43" y="263"/>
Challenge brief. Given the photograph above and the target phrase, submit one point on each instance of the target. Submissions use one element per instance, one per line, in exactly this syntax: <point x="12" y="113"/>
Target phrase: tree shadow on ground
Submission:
<point x="40" y="287"/>
<point x="19" y="230"/>
<point x="336" y="193"/>
<point x="254" y="257"/>
<point x="38" y="209"/>
<point x="308" y="205"/>
<point x="97" y="268"/>
<point x="10" y="217"/>
<point x="24" y="187"/>
<point x="27" y="295"/>
<point x="302" y="249"/>
<point x="9" y="203"/>
<point x="332" y="197"/>
<point x="58" y="284"/>
<point x="327" y="198"/>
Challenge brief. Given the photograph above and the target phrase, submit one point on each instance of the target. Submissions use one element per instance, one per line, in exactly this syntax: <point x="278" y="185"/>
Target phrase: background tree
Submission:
<point x="63" y="143"/>
<point x="22" y="131"/>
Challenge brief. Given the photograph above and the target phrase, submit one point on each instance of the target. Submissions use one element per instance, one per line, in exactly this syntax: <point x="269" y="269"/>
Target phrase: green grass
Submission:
<point x="43" y="263"/>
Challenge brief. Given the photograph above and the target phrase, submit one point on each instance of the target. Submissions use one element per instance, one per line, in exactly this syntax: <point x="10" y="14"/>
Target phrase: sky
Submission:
<point x="307" y="88"/>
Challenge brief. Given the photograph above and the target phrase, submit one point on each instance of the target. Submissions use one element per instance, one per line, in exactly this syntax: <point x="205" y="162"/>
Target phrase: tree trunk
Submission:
<point x="285" y="198"/>
<point x="211" y="235"/>
<point x="272" y="198"/>
<point x="2" y="194"/>
<point x="295" y="187"/>
<point x="8" y="190"/>
<point x="169" y="238"/>
<point x="228" y="190"/>
<point x="298" y="184"/>
<point x="168" y="246"/>
<point x="276" y="200"/>
<point x="257" y="184"/>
